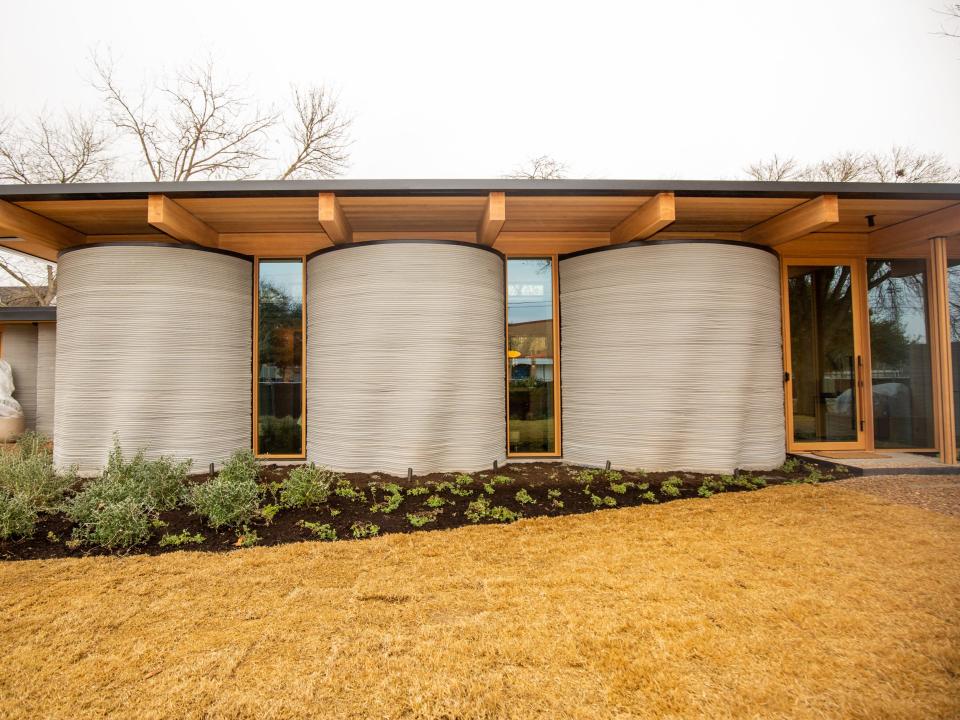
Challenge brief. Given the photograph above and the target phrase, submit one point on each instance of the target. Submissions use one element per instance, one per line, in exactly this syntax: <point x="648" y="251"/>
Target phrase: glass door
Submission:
<point x="824" y="371"/>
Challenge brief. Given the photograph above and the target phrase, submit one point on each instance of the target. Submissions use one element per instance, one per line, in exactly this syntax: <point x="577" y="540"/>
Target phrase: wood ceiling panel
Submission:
<point x="853" y="213"/>
<point x="257" y="214"/>
<point x="727" y="214"/>
<point x="413" y="214"/>
<point x="569" y="213"/>
<point x="96" y="217"/>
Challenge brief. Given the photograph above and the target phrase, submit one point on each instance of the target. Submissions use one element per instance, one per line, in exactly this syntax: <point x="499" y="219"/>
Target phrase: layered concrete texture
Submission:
<point x="19" y="348"/>
<point x="405" y="357"/>
<point x="671" y="357"/>
<point x="153" y="344"/>
<point x="46" y="376"/>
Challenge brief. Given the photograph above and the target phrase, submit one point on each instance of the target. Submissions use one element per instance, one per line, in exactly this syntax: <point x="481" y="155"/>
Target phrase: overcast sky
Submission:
<point x="626" y="89"/>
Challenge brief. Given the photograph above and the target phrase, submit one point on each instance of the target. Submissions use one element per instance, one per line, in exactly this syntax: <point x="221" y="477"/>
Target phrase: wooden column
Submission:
<point x="941" y="350"/>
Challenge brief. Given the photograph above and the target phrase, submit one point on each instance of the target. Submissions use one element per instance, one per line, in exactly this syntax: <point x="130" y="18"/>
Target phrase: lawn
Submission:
<point x="794" y="601"/>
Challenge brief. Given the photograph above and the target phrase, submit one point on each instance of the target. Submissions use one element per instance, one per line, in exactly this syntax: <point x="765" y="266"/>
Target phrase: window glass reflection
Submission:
<point x="530" y="352"/>
<point x="280" y="352"/>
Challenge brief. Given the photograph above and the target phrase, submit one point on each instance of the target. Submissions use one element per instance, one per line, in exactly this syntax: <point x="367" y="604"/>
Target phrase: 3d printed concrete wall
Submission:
<point x="154" y="344"/>
<point x="46" y="376"/>
<point x="671" y="357"/>
<point x="405" y="357"/>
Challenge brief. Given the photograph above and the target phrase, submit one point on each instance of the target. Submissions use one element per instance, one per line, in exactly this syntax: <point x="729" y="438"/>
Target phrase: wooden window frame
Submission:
<point x="555" y="289"/>
<point x="255" y="360"/>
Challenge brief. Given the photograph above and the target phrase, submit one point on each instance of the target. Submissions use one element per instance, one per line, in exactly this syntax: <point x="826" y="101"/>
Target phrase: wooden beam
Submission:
<point x="168" y="217"/>
<point x="648" y="219"/>
<point x="494" y="216"/>
<point x="940" y="335"/>
<point x="40" y="235"/>
<point x="334" y="222"/>
<point x="811" y="216"/>
<point x="942" y="223"/>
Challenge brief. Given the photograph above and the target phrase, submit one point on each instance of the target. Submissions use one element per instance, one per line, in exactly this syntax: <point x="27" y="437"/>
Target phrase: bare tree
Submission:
<point x="952" y="11"/>
<point x="776" y="168"/>
<point x="198" y="126"/>
<point x="543" y="167"/>
<point x="70" y="148"/>
<point x="319" y="134"/>
<point x="899" y="164"/>
<point x="38" y="278"/>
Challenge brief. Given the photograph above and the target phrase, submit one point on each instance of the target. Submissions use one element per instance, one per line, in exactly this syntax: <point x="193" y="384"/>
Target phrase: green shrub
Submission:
<point x="18" y="518"/>
<point x="478" y="509"/>
<point x="435" y="501"/>
<point x="420" y="519"/>
<point x="363" y="529"/>
<point x="27" y="472"/>
<point x="523" y="497"/>
<point x="710" y="486"/>
<point x="502" y="514"/>
<point x="418" y="490"/>
<point x="307" y="486"/>
<point x="182" y="538"/>
<point x="247" y="538"/>
<point x="345" y="489"/>
<point x="553" y="493"/>
<point x="232" y="497"/>
<point x="269" y="512"/>
<point x="118" y="509"/>
<point x="790" y="465"/>
<point x="321" y="531"/>
<point x="391" y="501"/>
<point x="671" y="487"/>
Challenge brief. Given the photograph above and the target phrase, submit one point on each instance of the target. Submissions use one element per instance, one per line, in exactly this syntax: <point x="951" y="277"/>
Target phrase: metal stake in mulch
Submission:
<point x="494" y="465"/>
<point x="608" y="465"/>
<point x="211" y="469"/>
<point x="409" y="474"/>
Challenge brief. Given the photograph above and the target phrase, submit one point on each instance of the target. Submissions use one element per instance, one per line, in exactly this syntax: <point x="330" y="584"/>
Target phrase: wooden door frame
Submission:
<point x="859" y="315"/>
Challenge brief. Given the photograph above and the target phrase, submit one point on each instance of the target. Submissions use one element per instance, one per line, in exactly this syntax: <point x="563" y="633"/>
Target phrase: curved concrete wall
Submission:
<point x="46" y="369"/>
<point x="20" y="350"/>
<point x="153" y="343"/>
<point x="671" y="357"/>
<point x="405" y="357"/>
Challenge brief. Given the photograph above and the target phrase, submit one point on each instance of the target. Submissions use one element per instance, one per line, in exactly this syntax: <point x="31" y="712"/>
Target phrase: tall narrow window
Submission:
<point x="530" y="352"/>
<point x="279" y="357"/>
<point x="900" y="354"/>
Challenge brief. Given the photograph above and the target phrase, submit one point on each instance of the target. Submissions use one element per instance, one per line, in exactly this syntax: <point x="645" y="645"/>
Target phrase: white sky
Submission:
<point x="470" y="89"/>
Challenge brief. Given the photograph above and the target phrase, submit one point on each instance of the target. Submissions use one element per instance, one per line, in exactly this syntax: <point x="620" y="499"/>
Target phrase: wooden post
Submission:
<point x="941" y="350"/>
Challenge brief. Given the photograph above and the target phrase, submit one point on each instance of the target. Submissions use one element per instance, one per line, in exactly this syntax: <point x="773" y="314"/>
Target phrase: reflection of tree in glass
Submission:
<point x="279" y="333"/>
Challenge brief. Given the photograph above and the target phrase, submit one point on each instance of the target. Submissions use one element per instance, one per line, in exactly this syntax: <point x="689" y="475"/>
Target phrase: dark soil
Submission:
<point x="570" y="495"/>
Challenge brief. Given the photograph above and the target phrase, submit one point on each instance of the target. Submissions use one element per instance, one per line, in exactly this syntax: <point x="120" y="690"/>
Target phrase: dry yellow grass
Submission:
<point x="792" y="602"/>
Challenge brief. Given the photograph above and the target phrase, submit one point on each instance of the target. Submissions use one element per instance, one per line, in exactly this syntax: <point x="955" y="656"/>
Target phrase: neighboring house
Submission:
<point x="446" y="325"/>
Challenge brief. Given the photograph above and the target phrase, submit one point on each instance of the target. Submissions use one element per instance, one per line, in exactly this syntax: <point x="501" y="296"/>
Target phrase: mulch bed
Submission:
<point x="553" y="486"/>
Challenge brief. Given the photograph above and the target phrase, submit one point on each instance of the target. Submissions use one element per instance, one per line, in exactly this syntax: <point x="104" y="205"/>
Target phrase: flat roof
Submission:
<point x="28" y="314"/>
<point x="427" y="187"/>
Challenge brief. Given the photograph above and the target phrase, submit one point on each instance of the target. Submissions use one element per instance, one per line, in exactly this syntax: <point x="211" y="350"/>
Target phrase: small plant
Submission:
<point x="489" y="488"/>
<point x="463" y="479"/>
<point x="232" y="497"/>
<point x="420" y="519"/>
<point x="606" y="501"/>
<point x="671" y="487"/>
<point x="502" y="514"/>
<point x="334" y="512"/>
<point x="710" y="486"/>
<point x="435" y="501"/>
<point x="523" y="497"/>
<point x="478" y="510"/>
<point x="648" y="496"/>
<point x="418" y="490"/>
<point x="553" y="493"/>
<point x="790" y="465"/>
<point x="461" y="491"/>
<point x="321" y="531"/>
<point x="391" y="500"/>
<point x="52" y="537"/>
<point x="184" y="537"/>
<point x="247" y="538"/>
<point x="620" y="488"/>
<point x="501" y="480"/>
<point x="585" y="476"/>
<point x="27" y="472"/>
<point x="269" y="512"/>
<point x="17" y="517"/>
<point x="363" y="529"/>
<point x="345" y="489"/>
<point x="308" y="486"/>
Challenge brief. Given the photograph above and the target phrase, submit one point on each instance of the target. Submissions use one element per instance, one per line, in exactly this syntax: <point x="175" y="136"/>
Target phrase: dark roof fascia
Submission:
<point x="28" y="314"/>
<point x="294" y="188"/>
